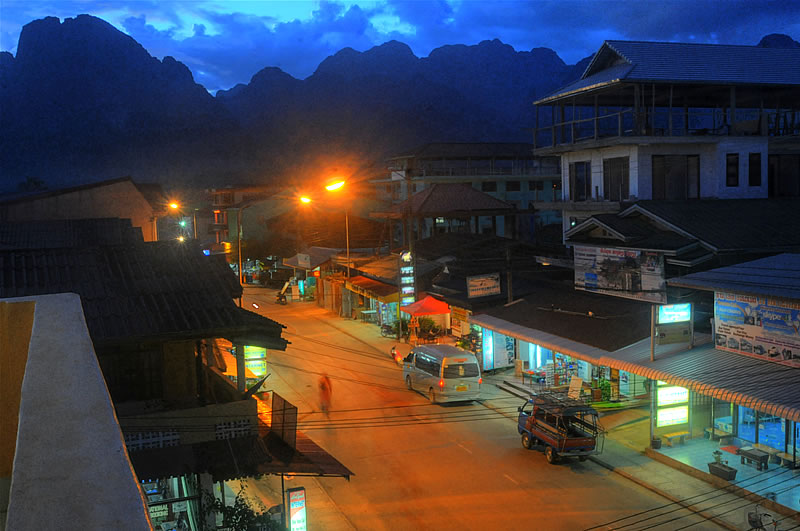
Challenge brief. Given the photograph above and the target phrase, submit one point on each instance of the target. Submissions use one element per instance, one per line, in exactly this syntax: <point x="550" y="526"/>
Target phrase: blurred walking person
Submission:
<point x="325" y="393"/>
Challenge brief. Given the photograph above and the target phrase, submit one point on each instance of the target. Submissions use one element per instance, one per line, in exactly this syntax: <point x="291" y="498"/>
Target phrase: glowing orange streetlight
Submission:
<point x="305" y="199"/>
<point x="174" y="205"/>
<point x="334" y="187"/>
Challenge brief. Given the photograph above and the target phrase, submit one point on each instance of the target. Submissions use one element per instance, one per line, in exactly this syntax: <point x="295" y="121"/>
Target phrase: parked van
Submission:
<point x="443" y="372"/>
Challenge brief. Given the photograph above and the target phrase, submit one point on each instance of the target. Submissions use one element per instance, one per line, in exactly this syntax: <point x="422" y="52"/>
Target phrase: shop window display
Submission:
<point x="173" y="503"/>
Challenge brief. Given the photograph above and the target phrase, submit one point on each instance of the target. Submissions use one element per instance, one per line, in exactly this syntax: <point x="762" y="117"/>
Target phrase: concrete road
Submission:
<point x="426" y="466"/>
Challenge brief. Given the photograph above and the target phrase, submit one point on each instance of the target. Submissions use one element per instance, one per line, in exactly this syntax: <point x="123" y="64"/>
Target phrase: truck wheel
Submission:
<point x="432" y="395"/>
<point x="550" y="455"/>
<point x="408" y="382"/>
<point x="526" y="441"/>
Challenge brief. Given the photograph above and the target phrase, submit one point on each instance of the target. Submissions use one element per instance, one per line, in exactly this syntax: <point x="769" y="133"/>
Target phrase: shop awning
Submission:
<point x="238" y="457"/>
<point x="427" y="306"/>
<point x="549" y="341"/>
<point x="747" y="381"/>
<point x="373" y="289"/>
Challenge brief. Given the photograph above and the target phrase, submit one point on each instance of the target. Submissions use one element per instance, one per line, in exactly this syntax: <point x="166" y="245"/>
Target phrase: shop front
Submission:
<point x="372" y="301"/>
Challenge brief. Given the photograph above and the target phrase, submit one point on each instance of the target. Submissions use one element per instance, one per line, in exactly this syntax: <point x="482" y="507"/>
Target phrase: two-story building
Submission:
<point x="654" y="120"/>
<point x="506" y="171"/>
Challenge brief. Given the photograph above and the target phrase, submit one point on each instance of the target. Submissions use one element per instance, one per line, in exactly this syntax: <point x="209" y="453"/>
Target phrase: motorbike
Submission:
<point x="280" y="298"/>
<point x="395" y="354"/>
<point x="387" y="331"/>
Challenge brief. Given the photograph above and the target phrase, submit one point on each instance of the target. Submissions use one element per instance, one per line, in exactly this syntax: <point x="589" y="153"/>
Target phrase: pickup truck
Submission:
<point x="564" y="426"/>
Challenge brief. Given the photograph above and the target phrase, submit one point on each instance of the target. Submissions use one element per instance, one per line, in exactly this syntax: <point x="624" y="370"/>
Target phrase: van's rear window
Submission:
<point x="461" y="370"/>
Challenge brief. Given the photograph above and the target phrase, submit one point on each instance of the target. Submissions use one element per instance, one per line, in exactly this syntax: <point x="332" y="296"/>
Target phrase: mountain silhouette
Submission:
<point x="81" y="101"/>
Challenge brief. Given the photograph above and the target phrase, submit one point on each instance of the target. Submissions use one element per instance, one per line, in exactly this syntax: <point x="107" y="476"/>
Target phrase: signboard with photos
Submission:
<point x="763" y="327"/>
<point x="627" y="273"/>
<point x="483" y="285"/>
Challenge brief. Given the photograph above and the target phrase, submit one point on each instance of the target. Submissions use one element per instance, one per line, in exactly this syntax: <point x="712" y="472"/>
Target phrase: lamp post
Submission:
<point x="333" y="187"/>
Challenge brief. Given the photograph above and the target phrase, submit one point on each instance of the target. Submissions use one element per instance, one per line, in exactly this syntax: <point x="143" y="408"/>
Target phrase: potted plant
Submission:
<point x="720" y="468"/>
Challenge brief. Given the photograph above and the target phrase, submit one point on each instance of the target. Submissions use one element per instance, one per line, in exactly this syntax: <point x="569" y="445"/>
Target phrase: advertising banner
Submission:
<point x="483" y="285"/>
<point x="297" y="509"/>
<point x="763" y="327"/>
<point x="624" y="273"/>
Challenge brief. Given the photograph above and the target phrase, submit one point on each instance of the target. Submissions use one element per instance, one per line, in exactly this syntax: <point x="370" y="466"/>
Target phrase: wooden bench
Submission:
<point x="716" y="433"/>
<point x="671" y="437"/>
<point x="786" y="459"/>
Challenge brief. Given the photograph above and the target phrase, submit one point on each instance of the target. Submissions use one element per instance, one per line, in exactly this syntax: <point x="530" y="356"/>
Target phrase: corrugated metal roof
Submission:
<point x="769" y="225"/>
<point x="70" y="233"/>
<point x="764" y="385"/>
<point x="674" y="62"/>
<point x="767" y="386"/>
<point x="775" y="276"/>
<point x="371" y="286"/>
<point x="147" y="291"/>
<point x="635" y="233"/>
<point x="562" y="311"/>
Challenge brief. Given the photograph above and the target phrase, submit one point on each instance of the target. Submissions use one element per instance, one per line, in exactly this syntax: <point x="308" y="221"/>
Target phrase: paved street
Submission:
<point x="424" y="466"/>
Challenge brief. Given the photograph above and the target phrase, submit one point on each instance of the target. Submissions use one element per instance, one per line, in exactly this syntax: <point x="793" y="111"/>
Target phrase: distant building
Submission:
<point x="142" y="203"/>
<point x="506" y="171"/>
<point x="652" y="120"/>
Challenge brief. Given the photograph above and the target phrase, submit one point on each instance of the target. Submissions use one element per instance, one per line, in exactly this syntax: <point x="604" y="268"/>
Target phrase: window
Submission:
<point x="461" y="370"/>
<point x="732" y="169"/>
<point x="615" y="178"/>
<point x="488" y="186"/>
<point x="754" y="170"/>
<point x="676" y="177"/>
<point x="535" y="186"/>
<point x="512" y="186"/>
<point x="427" y="364"/>
<point x="580" y="181"/>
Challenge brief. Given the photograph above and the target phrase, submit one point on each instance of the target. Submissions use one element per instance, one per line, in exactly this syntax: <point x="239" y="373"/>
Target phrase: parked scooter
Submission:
<point x="387" y="330"/>
<point x="396" y="356"/>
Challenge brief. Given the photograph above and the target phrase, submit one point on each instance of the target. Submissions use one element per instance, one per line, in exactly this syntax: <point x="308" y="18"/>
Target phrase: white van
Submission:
<point x="443" y="372"/>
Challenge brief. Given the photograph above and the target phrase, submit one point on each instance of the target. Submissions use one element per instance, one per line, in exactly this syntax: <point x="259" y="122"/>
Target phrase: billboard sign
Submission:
<point x="674" y="313"/>
<point x="627" y="273"/>
<point x="763" y="327"/>
<point x="297" y="509"/>
<point x="483" y="285"/>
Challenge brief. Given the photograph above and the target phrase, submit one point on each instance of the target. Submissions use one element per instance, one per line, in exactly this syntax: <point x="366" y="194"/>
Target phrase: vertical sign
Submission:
<point x="297" y="509"/>
<point x="407" y="279"/>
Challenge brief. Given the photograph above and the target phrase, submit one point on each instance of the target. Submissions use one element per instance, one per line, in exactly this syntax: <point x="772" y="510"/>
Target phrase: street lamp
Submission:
<point x="333" y="187"/>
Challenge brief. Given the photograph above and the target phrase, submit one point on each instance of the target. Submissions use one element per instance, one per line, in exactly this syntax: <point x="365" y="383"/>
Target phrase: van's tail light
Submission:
<point x="441" y="383"/>
<point x="480" y="380"/>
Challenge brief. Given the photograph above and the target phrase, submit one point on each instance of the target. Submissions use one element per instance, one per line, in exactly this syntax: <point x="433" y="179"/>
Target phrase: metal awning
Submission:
<point x="238" y="457"/>
<point x="764" y="385"/>
<point x="373" y="289"/>
<point x="553" y="342"/>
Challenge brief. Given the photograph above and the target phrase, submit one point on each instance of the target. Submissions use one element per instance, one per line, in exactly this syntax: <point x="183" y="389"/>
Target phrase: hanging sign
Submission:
<point x="483" y="285"/>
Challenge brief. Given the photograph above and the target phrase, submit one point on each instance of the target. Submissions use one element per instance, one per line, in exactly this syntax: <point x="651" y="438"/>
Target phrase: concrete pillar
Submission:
<point x="241" y="382"/>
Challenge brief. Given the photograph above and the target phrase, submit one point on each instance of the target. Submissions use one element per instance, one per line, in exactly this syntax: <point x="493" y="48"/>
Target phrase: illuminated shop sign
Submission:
<point x="672" y="415"/>
<point x="674" y="313"/>
<point x="407" y="279"/>
<point x="672" y="395"/>
<point x="297" y="509"/>
<point x="255" y="360"/>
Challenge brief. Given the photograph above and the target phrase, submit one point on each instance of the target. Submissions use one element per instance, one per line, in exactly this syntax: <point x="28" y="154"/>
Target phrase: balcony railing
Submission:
<point x="662" y="122"/>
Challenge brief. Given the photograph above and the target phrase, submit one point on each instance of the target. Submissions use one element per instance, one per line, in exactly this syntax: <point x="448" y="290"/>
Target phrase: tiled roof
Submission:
<point x="147" y="291"/>
<point x="636" y="61"/>
<point x="443" y="199"/>
<point x="775" y="276"/>
<point x="755" y="225"/>
<point x="451" y="150"/>
<point x="70" y="233"/>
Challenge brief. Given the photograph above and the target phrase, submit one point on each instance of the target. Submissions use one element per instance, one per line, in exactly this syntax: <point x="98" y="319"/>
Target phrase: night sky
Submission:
<point x="226" y="42"/>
